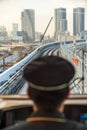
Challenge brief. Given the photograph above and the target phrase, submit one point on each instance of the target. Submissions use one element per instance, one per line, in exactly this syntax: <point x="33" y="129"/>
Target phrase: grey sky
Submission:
<point x="10" y="11"/>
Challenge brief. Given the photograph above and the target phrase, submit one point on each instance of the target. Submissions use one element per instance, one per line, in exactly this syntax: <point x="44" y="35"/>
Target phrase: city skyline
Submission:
<point x="10" y="12"/>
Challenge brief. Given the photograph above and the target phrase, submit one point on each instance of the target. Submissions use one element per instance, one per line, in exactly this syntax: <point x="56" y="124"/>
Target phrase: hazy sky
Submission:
<point x="10" y="12"/>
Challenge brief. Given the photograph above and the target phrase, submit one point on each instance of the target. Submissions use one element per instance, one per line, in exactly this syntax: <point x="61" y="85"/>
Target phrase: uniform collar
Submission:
<point x="47" y="114"/>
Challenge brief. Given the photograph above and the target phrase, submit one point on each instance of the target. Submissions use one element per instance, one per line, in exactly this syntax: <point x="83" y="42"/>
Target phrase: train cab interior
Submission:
<point x="15" y="109"/>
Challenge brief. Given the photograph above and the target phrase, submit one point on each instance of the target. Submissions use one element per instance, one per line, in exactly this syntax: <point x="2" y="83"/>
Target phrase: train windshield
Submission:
<point x="32" y="28"/>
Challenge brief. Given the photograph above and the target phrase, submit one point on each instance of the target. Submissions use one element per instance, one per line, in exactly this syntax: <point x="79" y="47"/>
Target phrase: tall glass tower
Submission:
<point x="78" y="20"/>
<point x="28" y="24"/>
<point x="60" y="21"/>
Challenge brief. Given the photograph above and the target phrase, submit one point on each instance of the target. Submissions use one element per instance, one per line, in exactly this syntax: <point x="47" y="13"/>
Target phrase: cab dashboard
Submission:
<point x="16" y="108"/>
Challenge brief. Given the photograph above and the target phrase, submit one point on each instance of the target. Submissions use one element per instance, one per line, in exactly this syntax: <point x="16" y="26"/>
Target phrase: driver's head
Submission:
<point x="48" y="78"/>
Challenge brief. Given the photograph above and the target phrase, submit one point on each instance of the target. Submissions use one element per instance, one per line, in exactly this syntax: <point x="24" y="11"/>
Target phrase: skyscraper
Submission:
<point x="60" y="21"/>
<point x="28" y="24"/>
<point x="78" y="20"/>
<point x="14" y="29"/>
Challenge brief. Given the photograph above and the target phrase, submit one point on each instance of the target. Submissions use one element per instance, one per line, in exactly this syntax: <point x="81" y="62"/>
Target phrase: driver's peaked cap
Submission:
<point x="49" y="72"/>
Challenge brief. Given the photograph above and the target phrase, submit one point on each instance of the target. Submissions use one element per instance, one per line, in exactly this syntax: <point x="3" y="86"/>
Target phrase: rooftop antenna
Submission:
<point x="46" y="29"/>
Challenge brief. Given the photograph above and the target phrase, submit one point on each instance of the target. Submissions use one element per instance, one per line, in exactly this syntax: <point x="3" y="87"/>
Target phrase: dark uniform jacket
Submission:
<point x="48" y="121"/>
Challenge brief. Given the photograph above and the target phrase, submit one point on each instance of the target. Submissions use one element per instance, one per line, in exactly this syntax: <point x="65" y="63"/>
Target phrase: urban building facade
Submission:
<point x="14" y="33"/>
<point x="78" y="20"/>
<point x="28" y="24"/>
<point x="14" y="29"/>
<point x="60" y="21"/>
<point x="83" y="35"/>
<point x="3" y="33"/>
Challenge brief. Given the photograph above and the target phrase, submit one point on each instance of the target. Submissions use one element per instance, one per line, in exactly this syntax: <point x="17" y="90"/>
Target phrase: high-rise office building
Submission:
<point x="28" y="24"/>
<point x="78" y="20"/>
<point x="14" y="29"/>
<point x="60" y="21"/>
